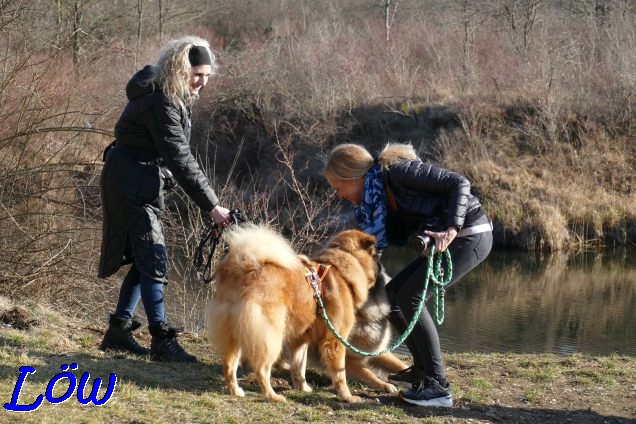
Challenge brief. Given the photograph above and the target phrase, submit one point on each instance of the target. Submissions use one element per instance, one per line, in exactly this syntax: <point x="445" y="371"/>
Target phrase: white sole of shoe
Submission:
<point x="441" y="402"/>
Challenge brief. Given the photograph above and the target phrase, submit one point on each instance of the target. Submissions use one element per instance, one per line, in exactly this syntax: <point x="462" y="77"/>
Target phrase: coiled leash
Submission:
<point x="210" y="239"/>
<point x="434" y="273"/>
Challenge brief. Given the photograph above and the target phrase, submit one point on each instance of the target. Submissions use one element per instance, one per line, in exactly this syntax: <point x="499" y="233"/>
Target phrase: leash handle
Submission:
<point x="211" y="235"/>
<point x="210" y="238"/>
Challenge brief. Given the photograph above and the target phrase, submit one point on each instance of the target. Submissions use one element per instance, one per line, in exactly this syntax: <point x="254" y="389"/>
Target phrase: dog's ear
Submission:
<point x="306" y="261"/>
<point x="368" y="242"/>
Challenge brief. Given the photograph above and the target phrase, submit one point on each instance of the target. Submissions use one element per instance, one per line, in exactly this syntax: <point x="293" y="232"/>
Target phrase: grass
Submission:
<point x="489" y="387"/>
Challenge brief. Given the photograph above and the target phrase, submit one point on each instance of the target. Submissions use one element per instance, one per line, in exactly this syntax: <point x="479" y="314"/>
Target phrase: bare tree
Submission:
<point x="162" y="16"/>
<point x="520" y="17"/>
<point x="601" y="10"/>
<point x="469" y="16"/>
<point x="389" y="16"/>
<point x="48" y="195"/>
<point x="140" y="18"/>
<point x="59" y="20"/>
<point x="75" y="35"/>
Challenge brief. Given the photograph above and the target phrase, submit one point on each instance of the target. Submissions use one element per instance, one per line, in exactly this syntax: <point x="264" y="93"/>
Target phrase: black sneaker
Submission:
<point x="404" y="378"/>
<point x="428" y="393"/>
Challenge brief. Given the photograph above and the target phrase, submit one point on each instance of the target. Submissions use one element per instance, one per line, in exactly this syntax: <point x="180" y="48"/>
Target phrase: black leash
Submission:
<point x="210" y="239"/>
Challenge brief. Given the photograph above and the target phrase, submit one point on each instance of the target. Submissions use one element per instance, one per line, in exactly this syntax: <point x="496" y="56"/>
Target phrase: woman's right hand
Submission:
<point x="220" y="215"/>
<point x="443" y="238"/>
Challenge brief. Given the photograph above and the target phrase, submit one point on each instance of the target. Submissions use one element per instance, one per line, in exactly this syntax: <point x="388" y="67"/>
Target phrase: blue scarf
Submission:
<point x="371" y="213"/>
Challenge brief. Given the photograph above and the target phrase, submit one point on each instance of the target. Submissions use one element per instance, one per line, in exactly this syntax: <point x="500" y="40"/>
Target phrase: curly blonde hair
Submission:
<point x="174" y="69"/>
<point x="352" y="161"/>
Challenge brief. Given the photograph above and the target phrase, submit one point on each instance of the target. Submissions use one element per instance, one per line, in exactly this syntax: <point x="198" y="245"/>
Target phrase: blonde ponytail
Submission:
<point x="393" y="153"/>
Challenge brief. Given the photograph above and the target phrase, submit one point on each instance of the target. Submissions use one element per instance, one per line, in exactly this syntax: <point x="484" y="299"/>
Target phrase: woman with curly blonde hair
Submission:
<point x="174" y="68"/>
<point x="150" y="152"/>
<point x="397" y="195"/>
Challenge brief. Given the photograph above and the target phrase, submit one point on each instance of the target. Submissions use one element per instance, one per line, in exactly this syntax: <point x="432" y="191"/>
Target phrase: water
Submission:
<point x="514" y="302"/>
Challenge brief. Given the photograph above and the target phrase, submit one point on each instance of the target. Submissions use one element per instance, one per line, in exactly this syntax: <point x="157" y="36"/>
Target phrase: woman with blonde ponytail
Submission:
<point x="150" y="154"/>
<point x="397" y="196"/>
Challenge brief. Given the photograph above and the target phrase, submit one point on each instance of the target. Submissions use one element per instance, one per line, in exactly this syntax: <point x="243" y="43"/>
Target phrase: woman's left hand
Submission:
<point x="220" y="215"/>
<point x="443" y="238"/>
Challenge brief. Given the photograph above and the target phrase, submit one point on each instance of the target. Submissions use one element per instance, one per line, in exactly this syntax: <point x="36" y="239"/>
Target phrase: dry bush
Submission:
<point x="557" y="193"/>
<point x="48" y="196"/>
<point x="330" y="65"/>
<point x="292" y="207"/>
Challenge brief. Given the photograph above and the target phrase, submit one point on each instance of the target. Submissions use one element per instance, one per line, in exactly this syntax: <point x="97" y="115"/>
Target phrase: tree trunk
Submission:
<point x="58" y="20"/>
<point x="387" y="27"/>
<point x="600" y="11"/>
<point x="161" y="16"/>
<point x="140" y="16"/>
<point x="389" y="17"/>
<point x="77" y="24"/>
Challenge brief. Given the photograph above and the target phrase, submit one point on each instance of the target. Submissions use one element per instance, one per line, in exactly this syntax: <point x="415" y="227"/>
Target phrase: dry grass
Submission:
<point x="506" y="388"/>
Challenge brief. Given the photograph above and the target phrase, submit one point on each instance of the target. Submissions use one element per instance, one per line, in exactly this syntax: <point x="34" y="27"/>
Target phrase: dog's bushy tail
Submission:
<point x="262" y="334"/>
<point x="244" y="329"/>
<point x="252" y="245"/>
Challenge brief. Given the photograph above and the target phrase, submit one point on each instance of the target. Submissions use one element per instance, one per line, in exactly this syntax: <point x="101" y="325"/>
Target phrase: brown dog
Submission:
<point x="263" y="301"/>
<point x="372" y="333"/>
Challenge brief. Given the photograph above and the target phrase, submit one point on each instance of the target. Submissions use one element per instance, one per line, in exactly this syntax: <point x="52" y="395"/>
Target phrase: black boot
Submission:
<point x="119" y="336"/>
<point x="165" y="347"/>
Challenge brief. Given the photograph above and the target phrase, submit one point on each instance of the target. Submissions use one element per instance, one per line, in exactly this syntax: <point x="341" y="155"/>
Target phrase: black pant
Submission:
<point x="405" y="293"/>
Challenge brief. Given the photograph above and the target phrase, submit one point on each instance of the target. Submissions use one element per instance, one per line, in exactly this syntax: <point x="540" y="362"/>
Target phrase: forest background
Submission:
<point x="532" y="100"/>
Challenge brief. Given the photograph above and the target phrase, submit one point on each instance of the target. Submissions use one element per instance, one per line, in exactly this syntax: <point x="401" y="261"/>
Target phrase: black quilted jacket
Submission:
<point x="425" y="193"/>
<point x="151" y="131"/>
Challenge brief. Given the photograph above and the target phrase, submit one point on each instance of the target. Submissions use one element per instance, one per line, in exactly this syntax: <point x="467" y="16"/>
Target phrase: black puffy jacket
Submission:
<point x="425" y="192"/>
<point x="151" y="131"/>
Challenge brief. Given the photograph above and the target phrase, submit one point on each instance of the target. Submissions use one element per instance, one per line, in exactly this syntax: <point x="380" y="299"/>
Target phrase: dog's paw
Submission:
<point x="389" y="388"/>
<point x="276" y="397"/>
<point x="281" y="364"/>
<point x="236" y="391"/>
<point x="301" y="384"/>
<point x="353" y="399"/>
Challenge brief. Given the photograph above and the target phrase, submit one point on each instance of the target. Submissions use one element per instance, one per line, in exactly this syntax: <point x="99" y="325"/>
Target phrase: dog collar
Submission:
<point x="315" y="277"/>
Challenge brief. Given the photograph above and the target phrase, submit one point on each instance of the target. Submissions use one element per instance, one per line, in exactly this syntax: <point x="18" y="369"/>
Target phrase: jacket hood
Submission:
<point x="142" y="83"/>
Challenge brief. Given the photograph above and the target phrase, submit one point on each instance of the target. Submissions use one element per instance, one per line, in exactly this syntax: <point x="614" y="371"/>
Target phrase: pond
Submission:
<point x="558" y="303"/>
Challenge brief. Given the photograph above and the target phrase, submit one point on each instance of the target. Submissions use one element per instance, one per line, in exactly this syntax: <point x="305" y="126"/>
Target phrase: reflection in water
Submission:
<point x="554" y="304"/>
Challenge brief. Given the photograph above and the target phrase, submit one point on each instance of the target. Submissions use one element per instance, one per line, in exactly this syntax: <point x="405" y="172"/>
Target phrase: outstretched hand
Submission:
<point x="442" y="238"/>
<point x="221" y="216"/>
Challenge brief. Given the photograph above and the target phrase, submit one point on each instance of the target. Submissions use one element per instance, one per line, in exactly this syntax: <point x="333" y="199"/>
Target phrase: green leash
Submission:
<point x="435" y="273"/>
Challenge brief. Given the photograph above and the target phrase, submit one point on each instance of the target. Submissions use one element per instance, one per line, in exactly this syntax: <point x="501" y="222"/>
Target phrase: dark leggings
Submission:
<point x="405" y="293"/>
